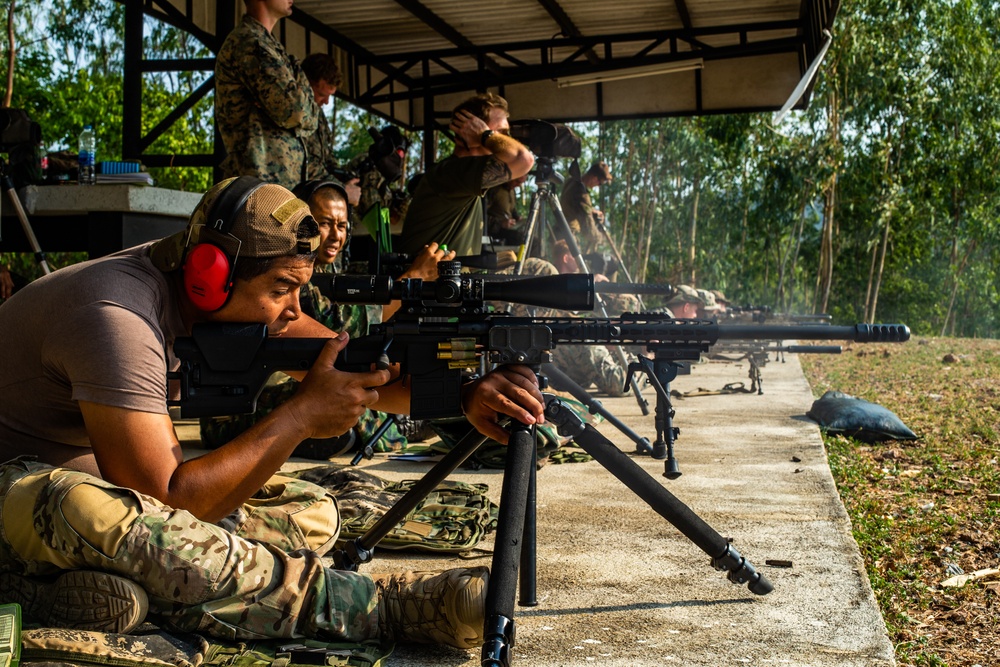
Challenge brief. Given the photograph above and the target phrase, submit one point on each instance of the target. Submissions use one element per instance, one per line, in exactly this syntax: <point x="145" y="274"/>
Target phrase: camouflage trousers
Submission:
<point x="217" y="431"/>
<point x="591" y="364"/>
<point x="199" y="577"/>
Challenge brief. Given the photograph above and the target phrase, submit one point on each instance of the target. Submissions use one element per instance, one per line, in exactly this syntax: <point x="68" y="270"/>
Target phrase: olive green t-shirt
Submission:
<point x="447" y="207"/>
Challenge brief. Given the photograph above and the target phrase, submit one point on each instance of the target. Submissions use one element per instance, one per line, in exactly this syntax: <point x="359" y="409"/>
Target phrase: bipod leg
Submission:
<point x="724" y="556"/>
<point x="528" y="579"/>
<point x="756" y="378"/>
<point x="368" y="450"/>
<point x="360" y="549"/>
<point x="499" y="626"/>
<point x="642" y="445"/>
<point x="660" y="373"/>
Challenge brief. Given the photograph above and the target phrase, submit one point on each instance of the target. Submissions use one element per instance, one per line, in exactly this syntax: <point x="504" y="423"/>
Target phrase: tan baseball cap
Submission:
<point x="264" y="224"/>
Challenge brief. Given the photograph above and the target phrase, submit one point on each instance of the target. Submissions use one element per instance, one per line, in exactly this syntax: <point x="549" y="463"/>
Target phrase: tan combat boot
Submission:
<point x="79" y="599"/>
<point x="433" y="608"/>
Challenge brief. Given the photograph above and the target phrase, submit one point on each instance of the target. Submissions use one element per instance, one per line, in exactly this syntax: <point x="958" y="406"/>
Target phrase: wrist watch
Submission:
<point x="484" y="137"/>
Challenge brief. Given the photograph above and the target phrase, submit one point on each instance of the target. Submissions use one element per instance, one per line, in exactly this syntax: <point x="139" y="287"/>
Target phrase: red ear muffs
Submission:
<point x="207" y="276"/>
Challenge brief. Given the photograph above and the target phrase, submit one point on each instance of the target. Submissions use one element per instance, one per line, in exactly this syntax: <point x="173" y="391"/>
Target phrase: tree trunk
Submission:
<point x="871" y="282"/>
<point x="824" y="278"/>
<point x="11" y="55"/>
<point x="629" y="183"/>
<point x="693" y="232"/>
<point x="881" y="267"/>
<point x="959" y="270"/>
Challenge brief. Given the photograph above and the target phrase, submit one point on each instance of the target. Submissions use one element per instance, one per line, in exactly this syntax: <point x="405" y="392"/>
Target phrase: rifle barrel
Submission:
<point x="859" y="333"/>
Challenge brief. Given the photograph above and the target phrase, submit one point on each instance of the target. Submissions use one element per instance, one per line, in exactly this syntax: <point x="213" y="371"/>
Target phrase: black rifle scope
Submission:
<point x="571" y="291"/>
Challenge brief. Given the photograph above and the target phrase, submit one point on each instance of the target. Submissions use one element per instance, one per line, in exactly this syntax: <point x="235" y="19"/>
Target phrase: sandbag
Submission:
<point x="840" y="413"/>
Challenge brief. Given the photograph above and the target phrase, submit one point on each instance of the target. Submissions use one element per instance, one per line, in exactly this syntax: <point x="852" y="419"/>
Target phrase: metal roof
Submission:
<point x="412" y="61"/>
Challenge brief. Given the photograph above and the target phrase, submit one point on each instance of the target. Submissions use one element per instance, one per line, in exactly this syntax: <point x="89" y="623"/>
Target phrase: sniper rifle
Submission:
<point x="444" y="330"/>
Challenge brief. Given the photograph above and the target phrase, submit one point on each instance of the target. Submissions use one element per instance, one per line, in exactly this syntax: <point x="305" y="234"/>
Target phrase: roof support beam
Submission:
<point x="566" y="24"/>
<point x="443" y="28"/>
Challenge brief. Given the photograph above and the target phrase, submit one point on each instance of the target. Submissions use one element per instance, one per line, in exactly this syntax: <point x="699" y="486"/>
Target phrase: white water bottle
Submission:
<point x="87" y="157"/>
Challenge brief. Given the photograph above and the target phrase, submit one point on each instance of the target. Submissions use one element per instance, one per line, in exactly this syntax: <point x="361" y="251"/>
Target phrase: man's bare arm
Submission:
<point x="511" y="152"/>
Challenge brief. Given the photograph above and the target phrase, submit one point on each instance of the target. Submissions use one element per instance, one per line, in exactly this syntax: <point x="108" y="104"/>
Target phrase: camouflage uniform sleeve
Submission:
<point x="323" y="310"/>
<point x="575" y="204"/>
<point x="281" y="89"/>
<point x="319" y="148"/>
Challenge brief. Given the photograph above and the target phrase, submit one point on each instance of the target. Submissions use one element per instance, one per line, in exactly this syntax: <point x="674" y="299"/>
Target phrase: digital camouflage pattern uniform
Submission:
<point x="264" y="107"/>
<point x="199" y="577"/>
<point x="394" y="201"/>
<point x="320" y="161"/>
<point x="352" y="318"/>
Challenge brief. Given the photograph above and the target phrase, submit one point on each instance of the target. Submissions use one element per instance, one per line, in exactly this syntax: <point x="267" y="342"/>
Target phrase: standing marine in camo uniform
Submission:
<point x="264" y="106"/>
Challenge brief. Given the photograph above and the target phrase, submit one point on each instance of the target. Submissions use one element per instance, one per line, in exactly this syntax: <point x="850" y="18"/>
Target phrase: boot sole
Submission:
<point x="80" y="600"/>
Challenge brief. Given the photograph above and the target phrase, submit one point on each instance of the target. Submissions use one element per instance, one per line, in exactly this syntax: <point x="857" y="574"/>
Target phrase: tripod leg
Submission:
<point x="534" y="214"/>
<point x="621" y="262"/>
<point x="499" y="627"/>
<point x="8" y="185"/>
<point x="595" y="407"/>
<point x="664" y="503"/>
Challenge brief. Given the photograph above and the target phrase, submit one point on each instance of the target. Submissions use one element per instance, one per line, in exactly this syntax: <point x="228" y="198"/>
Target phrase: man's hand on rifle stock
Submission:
<point x="325" y="386"/>
<point x="508" y="390"/>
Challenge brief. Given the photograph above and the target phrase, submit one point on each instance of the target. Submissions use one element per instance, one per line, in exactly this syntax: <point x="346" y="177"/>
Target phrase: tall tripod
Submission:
<point x="544" y="198"/>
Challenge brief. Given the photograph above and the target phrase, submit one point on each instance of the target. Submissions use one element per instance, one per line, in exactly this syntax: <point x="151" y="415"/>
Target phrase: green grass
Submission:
<point x="921" y="507"/>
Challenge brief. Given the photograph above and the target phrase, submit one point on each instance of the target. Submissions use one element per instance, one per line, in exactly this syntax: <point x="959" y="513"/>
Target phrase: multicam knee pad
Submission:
<point x="289" y="514"/>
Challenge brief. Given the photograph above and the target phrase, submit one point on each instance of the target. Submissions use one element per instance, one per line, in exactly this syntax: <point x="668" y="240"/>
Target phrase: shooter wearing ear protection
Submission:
<point x="328" y="203"/>
<point x="127" y="520"/>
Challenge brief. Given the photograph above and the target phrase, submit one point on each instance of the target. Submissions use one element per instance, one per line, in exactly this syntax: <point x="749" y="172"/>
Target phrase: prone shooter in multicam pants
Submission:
<point x="584" y="364"/>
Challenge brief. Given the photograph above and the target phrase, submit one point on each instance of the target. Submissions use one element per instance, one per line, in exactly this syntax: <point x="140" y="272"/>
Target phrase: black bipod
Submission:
<point x="368" y="450"/>
<point x="642" y="445"/>
<point x="660" y="373"/>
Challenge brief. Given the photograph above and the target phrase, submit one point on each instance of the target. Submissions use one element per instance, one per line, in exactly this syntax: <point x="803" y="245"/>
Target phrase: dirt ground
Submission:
<point x="619" y="585"/>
